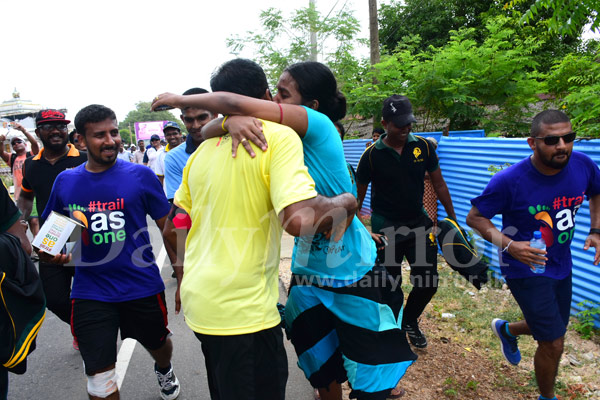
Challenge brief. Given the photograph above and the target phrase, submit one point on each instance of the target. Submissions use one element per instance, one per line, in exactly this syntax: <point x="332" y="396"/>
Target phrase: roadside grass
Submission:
<point x="469" y="325"/>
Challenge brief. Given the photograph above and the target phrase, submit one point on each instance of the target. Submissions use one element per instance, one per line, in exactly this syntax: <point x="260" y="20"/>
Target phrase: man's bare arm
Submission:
<point x="18" y="229"/>
<point x="519" y="250"/>
<point x="593" y="240"/>
<point x="319" y="214"/>
<point x="5" y="156"/>
<point x="35" y="147"/>
<point x="25" y="203"/>
<point x="442" y="192"/>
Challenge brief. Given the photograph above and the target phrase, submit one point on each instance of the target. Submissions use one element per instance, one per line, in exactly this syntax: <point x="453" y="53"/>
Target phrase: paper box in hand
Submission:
<point x="55" y="233"/>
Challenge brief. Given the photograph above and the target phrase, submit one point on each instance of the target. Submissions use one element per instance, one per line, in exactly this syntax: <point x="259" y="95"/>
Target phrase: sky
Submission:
<point x="69" y="54"/>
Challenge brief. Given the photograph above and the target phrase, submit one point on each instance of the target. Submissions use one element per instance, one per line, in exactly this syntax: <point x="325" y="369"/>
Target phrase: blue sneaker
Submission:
<point x="510" y="348"/>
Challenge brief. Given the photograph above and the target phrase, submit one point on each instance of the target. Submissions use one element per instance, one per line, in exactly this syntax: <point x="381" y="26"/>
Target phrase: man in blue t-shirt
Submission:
<point x="540" y="193"/>
<point x="117" y="283"/>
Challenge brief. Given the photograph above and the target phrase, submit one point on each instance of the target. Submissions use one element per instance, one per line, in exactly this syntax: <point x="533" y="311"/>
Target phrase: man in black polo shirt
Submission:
<point x="39" y="174"/>
<point x="396" y="165"/>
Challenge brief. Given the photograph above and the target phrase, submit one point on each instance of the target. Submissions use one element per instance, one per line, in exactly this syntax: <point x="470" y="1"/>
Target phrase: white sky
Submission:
<point x="71" y="53"/>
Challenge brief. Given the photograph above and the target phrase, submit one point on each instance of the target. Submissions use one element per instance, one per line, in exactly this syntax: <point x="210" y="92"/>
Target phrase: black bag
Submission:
<point x="460" y="255"/>
<point x="23" y="305"/>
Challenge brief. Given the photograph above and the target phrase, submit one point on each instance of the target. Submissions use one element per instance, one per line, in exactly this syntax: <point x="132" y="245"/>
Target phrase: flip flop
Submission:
<point x="396" y="393"/>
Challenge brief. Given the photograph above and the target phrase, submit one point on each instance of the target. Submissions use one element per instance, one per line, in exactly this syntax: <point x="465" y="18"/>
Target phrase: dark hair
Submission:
<point x="316" y="82"/>
<point x="547" y="117"/>
<point x="381" y="131"/>
<point x="241" y="76"/>
<point x="92" y="113"/>
<point x="72" y="136"/>
<point x="195" y="90"/>
<point x="340" y="128"/>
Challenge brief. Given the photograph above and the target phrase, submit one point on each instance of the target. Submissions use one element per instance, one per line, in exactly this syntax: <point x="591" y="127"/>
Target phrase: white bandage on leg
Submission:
<point x="102" y="384"/>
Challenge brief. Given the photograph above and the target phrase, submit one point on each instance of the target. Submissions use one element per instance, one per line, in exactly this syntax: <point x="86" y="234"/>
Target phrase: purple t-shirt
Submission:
<point x="530" y="201"/>
<point x="113" y="259"/>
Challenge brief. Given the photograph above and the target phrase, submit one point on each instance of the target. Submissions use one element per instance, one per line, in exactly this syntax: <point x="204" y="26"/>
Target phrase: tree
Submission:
<point x="142" y="113"/>
<point x="433" y="20"/>
<point x="126" y="136"/>
<point x="462" y="85"/>
<point x="567" y="16"/>
<point x="284" y="41"/>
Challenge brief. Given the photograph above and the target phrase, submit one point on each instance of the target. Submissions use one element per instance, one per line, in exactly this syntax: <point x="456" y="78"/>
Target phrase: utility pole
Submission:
<point x="313" y="33"/>
<point x="373" y="32"/>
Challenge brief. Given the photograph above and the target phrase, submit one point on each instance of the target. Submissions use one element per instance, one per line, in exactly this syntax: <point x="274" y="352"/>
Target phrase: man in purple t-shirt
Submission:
<point x="540" y="193"/>
<point x="117" y="285"/>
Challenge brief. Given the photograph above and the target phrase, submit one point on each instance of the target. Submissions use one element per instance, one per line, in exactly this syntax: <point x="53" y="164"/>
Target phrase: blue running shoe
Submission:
<point x="510" y="348"/>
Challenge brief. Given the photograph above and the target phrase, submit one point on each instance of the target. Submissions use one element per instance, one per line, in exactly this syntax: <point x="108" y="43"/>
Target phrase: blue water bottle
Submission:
<point x="538" y="243"/>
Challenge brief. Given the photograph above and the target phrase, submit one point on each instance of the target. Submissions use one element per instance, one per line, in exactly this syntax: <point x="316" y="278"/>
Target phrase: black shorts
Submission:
<point x="95" y="325"/>
<point x="246" y="367"/>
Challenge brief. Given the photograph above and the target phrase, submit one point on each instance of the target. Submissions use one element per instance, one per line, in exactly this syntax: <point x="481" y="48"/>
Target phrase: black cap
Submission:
<point x="398" y="110"/>
<point x="154" y="137"/>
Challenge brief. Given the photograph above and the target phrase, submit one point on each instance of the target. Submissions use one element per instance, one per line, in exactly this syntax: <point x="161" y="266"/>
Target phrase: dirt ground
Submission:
<point x="448" y="369"/>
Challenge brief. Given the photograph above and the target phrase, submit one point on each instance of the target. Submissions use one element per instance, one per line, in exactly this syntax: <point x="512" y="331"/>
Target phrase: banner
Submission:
<point x="143" y="130"/>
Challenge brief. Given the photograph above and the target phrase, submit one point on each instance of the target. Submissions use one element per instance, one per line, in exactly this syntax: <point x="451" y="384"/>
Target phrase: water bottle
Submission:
<point x="538" y="243"/>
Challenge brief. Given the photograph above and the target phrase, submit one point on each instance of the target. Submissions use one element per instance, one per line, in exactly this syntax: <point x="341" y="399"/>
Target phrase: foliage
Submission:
<point x="494" y="169"/>
<point x="585" y="318"/>
<point x="575" y="82"/>
<point x="283" y="41"/>
<point x="142" y="113"/>
<point x="126" y="136"/>
<point x="568" y="16"/>
<point x="462" y="85"/>
<point x="432" y="20"/>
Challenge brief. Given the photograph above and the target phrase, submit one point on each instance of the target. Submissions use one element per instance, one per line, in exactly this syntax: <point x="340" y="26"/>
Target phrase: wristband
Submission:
<point x="594" y="230"/>
<point x="223" y="124"/>
<point x="504" y="250"/>
<point x="280" y="113"/>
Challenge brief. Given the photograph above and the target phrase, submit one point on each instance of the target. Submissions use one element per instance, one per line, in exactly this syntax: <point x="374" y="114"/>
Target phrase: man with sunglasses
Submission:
<point x="540" y="193"/>
<point x="16" y="159"/>
<point x="39" y="174"/>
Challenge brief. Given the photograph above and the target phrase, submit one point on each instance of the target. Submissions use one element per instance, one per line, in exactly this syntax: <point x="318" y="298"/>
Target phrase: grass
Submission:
<point x="470" y="328"/>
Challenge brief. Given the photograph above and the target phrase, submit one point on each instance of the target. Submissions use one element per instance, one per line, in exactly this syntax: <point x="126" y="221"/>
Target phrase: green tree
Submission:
<point x="575" y="83"/>
<point x="462" y="85"/>
<point x="567" y="17"/>
<point x="283" y="41"/>
<point x="142" y="113"/>
<point x="126" y="136"/>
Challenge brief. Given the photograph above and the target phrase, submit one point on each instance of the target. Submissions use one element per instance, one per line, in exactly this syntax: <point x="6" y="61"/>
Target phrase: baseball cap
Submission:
<point x="171" y="124"/>
<point x="50" y="115"/>
<point x="397" y="109"/>
<point x="154" y="137"/>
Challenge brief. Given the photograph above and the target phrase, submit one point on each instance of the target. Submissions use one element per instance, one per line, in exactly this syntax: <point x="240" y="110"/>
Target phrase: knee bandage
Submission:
<point x="102" y="384"/>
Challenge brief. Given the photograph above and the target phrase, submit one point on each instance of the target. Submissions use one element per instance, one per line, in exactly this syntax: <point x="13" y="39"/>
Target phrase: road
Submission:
<point x="55" y="369"/>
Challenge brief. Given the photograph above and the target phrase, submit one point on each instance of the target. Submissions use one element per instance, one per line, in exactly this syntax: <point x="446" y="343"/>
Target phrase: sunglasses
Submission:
<point x="50" y="127"/>
<point x="17" y="141"/>
<point x="553" y="140"/>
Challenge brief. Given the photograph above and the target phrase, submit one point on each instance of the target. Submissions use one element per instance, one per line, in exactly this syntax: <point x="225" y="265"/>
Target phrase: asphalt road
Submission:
<point x="55" y="369"/>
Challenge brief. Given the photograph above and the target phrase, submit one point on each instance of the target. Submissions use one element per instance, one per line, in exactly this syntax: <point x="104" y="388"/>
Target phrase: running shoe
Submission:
<point x="415" y="335"/>
<point x="509" y="345"/>
<point x="169" y="384"/>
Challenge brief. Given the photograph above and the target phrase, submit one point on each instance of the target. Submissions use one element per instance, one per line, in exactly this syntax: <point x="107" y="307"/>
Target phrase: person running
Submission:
<point x="396" y="166"/>
<point x="117" y="284"/>
<point x="172" y="133"/>
<point x="39" y="174"/>
<point x="331" y="279"/>
<point x="543" y="193"/>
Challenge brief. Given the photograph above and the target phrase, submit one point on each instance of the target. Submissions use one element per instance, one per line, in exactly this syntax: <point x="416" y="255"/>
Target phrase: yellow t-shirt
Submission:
<point x="230" y="283"/>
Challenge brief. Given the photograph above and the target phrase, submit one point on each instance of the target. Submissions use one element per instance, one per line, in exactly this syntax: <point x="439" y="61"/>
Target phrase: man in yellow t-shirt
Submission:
<point x="229" y="287"/>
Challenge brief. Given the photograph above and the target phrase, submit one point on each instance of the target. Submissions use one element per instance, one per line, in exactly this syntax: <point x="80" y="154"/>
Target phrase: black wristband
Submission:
<point x="594" y="230"/>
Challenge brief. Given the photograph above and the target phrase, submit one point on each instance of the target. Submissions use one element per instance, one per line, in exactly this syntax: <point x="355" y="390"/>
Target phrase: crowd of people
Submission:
<point x="222" y="210"/>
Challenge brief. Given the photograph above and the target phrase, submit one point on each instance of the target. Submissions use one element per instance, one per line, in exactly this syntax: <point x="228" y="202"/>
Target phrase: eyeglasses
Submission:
<point x="553" y="140"/>
<point x="50" y="127"/>
<point x="16" y="141"/>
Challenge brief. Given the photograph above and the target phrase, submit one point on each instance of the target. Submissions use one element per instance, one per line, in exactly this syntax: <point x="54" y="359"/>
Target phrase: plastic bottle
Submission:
<point x="538" y="243"/>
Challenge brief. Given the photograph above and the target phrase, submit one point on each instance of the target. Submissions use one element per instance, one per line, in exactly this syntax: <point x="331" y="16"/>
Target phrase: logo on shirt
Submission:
<point x="417" y="154"/>
<point x="564" y="220"/>
<point x="105" y="225"/>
